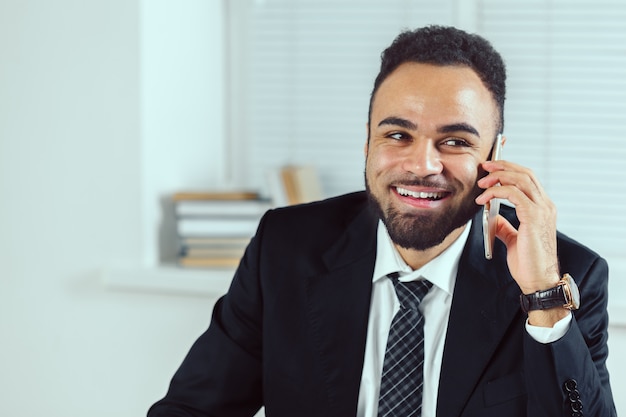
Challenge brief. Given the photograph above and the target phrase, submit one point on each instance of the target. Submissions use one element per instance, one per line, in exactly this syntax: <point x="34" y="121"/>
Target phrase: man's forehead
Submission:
<point x="416" y="88"/>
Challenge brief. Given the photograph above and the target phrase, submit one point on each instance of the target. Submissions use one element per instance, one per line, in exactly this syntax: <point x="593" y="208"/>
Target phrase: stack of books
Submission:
<point x="214" y="228"/>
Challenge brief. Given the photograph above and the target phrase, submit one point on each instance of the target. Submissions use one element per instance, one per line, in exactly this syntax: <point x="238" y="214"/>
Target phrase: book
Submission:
<point x="212" y="252"/>
<point x="217" y="227"/>
<point x="302" y="184"/>
<point x="223" y="208"/>
<point x="208" y="262"/>
<point x="206" y="252"/>
<point x="215" y="195"/>
<point x="207" y="241"/>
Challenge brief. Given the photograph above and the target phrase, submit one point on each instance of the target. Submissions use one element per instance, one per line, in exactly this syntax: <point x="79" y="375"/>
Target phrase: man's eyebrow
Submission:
<point x="458" y="127"/>
<point x="398" y="121"/>
<point x="451" y="128"/>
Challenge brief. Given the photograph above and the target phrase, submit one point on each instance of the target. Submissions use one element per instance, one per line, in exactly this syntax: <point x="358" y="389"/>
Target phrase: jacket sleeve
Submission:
<point x="221" y="374"/>
<point x="573" y="369"/>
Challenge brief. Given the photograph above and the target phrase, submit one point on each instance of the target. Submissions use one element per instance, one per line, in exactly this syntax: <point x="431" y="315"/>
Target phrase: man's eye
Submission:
<point x="455" y="142"/>
<point x="398" y="136"/>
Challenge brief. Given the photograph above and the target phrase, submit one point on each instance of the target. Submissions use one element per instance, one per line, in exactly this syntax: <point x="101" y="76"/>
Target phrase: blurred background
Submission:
<point x="108" y="107"/>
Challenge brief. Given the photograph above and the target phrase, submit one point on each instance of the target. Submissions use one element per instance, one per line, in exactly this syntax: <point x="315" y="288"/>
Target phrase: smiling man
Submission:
<point x="383" y="304"/>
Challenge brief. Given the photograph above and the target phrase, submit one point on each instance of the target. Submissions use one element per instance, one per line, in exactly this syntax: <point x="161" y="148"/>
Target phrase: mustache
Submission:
<point x="423" y="182"/>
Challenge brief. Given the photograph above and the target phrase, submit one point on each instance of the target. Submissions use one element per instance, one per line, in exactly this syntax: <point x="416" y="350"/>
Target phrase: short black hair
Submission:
<point x="444" y="45"/>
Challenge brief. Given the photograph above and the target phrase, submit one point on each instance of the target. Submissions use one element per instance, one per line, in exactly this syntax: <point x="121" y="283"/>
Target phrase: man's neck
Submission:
<point x="418" y="258"/>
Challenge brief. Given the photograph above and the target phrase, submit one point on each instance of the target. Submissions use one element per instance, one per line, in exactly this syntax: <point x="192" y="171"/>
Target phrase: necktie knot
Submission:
<point x="410" y="294"/>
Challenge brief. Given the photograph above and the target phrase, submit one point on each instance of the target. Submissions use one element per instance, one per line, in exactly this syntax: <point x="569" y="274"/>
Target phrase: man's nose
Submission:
<point x="422" y="158"/>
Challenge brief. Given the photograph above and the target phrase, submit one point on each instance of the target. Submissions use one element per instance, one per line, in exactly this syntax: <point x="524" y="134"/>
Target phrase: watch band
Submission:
<point x="543" y="300"/>
<point x="565" y="295"/>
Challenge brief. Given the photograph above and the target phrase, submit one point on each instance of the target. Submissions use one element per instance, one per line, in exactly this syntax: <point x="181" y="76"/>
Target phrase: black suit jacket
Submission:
<point x="290" y="333"/>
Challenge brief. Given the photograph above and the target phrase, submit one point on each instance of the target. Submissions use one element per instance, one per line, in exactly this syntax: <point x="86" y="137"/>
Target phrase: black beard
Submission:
<point x="421" y="232"/>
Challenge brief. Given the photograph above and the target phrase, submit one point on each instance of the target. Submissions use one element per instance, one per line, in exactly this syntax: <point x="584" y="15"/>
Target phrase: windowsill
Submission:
<point x="174" y="280"/>
<point x="169" y="279"/>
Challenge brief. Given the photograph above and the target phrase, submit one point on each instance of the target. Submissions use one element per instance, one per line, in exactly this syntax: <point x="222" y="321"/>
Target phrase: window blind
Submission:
<point x="566" y="108"/>
<point x="310" y="65"/>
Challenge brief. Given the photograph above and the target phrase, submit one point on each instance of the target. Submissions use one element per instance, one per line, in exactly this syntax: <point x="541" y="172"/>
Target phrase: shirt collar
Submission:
<point x="441" y="271"/>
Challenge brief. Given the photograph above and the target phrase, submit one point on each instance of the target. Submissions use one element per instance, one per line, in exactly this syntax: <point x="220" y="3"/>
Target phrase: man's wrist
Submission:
<point x="550" y="282"/>
<point x="547" y="318"/>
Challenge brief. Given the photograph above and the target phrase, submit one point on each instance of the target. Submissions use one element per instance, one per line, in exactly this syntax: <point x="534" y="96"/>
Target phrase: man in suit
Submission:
<point x="303" y="329"/>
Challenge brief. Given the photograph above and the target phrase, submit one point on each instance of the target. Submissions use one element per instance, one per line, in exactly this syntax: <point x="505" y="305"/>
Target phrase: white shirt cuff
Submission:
<point x="547" y="335"/>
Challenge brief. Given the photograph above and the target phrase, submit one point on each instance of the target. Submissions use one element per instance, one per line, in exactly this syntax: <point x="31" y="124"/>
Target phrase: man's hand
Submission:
<point x="531" y="249"/>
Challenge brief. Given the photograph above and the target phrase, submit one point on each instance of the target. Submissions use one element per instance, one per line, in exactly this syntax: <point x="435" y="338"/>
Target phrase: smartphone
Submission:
<point x="492" y="208"/>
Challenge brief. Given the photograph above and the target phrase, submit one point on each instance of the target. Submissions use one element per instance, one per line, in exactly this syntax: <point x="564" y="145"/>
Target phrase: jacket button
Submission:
<point x="570" y="385"/>
<point x="577" y="406"/>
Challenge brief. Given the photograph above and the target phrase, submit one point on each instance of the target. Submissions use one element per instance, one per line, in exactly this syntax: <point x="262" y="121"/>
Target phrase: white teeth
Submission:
<point x="415" y="194"/>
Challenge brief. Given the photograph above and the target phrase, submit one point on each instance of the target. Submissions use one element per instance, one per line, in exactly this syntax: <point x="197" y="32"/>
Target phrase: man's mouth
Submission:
<point x="423" y="195"/>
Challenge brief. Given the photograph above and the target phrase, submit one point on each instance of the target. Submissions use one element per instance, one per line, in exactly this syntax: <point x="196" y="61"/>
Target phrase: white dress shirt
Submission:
<point x="435" y="307"/>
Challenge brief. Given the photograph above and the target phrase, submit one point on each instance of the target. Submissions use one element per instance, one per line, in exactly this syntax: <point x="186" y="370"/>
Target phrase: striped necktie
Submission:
<point x="402" y="378"/>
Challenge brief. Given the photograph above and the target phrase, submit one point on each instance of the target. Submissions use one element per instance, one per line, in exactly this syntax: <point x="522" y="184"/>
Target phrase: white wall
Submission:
<point x="100" y="116"/>
<point x="75" y="169"/>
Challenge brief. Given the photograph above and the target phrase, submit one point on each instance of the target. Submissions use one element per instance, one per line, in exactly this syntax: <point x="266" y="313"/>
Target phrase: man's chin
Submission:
<point x="424" y="231"/>
<point x="417" y="233"/>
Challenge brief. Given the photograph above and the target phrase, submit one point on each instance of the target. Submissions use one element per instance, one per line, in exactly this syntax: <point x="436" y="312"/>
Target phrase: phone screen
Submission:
<point x="491" y="209"/>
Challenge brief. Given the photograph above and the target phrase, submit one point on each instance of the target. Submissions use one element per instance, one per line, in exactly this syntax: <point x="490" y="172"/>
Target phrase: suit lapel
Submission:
<point x="483" y="305"/>
<point x="339" y="303"/>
